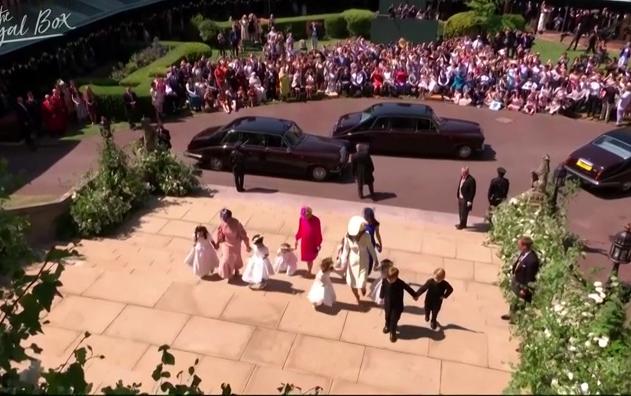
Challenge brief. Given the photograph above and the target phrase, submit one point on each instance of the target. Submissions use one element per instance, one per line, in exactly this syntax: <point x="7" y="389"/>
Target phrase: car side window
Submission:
<point x="232" y="137"/>
<point x="381" y="124"/>
<point x="275" y="141"/>
<point x="403" y="124"/>
<point x="253" y="139"/>
<point x="424" y="125"/>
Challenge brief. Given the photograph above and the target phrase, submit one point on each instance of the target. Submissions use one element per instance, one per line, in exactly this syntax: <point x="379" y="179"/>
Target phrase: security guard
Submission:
<point x="237" y="158"/>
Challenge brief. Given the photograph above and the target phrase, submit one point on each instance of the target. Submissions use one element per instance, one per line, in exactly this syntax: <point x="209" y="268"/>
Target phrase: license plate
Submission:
<point x="584" y="165"/>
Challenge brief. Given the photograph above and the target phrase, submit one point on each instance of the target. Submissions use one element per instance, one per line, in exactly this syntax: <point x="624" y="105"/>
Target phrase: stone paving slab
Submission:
<point x="136" y="292"/>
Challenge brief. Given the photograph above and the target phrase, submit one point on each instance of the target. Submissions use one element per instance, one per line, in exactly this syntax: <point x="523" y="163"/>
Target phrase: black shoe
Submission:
<point x="459" y="226"/>
<point x="386" y="330"/>
<point x="433" y="325"/>
<point x="506" y="317"/>
<point x="427" y="318"/>
<point x="393" y="337"/>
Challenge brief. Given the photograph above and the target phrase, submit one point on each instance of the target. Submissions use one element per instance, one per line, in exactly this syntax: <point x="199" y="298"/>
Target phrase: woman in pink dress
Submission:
<point x="310" y="236"/>
<point x="229" y="236"/>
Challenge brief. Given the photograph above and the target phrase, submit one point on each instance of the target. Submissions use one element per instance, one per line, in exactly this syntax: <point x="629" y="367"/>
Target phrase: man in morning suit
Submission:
<point x="237" y="158"/>
<point x="363" y="169"/>
<point x="465" y="194"/>
<point x="524" y="272"/>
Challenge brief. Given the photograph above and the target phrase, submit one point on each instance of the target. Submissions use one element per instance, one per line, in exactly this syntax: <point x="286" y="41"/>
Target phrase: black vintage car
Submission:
<point x="410" y="129"/>
<point x="271" y="145"/>
<point x="605" y="161"/>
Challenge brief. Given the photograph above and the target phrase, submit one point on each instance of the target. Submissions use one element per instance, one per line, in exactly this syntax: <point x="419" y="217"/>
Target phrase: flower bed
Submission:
<point x="573" y="335"/>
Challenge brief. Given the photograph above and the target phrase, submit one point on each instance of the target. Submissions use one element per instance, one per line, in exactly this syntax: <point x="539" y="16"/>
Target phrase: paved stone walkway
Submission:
<point x="133" y="293"/>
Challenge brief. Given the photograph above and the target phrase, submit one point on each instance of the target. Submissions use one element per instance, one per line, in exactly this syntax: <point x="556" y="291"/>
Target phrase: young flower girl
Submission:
<point x="375" y="286"/>
<point x="259" y="268"/>
<point x="322" y="292"/>
<point x="202" y="257"/>
<point x="286" y="260"/>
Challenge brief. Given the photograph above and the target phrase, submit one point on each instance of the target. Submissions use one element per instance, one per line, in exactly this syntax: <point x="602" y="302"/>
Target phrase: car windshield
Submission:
<point x="614" y="146"/>
<point x="293" y="135"/>
<point x="436" y="119"/>
<point x="364" y="116"/>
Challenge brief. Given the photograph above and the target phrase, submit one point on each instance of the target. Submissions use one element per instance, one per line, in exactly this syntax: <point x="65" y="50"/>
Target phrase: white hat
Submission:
<point x="355" y="225"/>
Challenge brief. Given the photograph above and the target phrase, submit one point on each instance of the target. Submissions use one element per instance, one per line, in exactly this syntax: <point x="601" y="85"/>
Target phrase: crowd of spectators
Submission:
<point x="406" y="10"/>
<point x="498" y="72"/>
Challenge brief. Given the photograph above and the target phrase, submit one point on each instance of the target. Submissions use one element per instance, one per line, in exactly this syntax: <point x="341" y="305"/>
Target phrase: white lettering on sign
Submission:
<point x="46" y="25"/>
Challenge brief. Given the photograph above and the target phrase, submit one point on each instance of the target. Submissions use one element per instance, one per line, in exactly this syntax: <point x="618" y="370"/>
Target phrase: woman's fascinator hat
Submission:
<point x="356" y="225"/>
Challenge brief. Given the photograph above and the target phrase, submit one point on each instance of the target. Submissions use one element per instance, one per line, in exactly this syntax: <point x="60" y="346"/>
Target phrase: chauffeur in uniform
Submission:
<point x="465" y="194"/>
<point x="498" y="191"/>
<point x="237" y="158"/>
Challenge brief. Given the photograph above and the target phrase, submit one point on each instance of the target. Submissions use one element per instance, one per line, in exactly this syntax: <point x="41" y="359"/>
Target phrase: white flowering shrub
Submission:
<point x="573" y="337"/>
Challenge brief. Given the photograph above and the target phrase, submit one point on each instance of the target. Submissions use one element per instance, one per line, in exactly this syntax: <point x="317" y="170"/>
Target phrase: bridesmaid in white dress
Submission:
<point x="322" y="292"/>
<point x="202" y="257"/>
<point x="259" y="268"/>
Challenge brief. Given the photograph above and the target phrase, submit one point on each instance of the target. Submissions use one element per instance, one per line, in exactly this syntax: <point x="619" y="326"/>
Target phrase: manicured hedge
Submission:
<point x="335" y="26"/>
<point x="468" y="23"/>
<point x="110" y="97"/>
<point x="358" y="22"/>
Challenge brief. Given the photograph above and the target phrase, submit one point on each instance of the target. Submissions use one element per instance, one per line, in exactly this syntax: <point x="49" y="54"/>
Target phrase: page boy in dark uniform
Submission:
<point x="437" y="289"/>
<point x="392" y="294"/>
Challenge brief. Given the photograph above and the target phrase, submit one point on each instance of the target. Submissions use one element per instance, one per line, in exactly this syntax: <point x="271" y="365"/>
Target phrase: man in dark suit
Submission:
<point x="26" y="123"/>
<point x="465" y="194"/>
<point x="130" y="99"/>
<point x="498" y="190"/>
<point x="363" y="169"/>
<point x="237" y="158"/>
<point x="524" y="272"/>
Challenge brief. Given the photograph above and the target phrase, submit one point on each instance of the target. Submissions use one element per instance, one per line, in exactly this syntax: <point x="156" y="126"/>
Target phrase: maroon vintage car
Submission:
<point x="410" y="129"/>
<point x="271" y="145"/>
<point x="605" y="161"/>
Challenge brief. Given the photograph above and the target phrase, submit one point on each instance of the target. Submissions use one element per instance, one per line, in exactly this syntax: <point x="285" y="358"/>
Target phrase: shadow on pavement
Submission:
<point x="281" y="286"/>
<point x="410" y="332"/>
<point x="261" y="190"/>
<point x="26" y="165"/>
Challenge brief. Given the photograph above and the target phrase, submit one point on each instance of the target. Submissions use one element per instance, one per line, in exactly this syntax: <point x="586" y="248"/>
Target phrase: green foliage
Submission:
<point x="165" y="173"/>
<point x="138" y="60"/>
<point x="291" y="389"/>
<point x="208" y="30"/>
<point x="14" y="247"/>
<point x="483" y="9"/>
<point x="358" y="22"/>
<point x="335" y="26"/>
<point x="106" y="199"/>
<point x="468" y="23"/>
<point x="573" y="336"/>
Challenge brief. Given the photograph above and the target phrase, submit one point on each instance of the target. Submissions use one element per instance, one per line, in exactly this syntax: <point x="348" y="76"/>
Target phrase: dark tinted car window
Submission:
<point x="232" y="137"/>
<point x="381" y="124"/>
<point x="275" y="141"/>
<point x="423" y="125"/>
<point x="253" y="139"/>
<point x="403" y="124"/>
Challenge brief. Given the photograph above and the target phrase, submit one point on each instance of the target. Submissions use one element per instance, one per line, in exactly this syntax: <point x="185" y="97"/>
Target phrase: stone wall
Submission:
<point x="43" y="218"/>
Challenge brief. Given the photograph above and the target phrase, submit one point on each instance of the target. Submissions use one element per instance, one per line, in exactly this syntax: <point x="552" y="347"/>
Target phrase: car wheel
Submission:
<point x="319" y="173"/>
<point x="464" y="152"/>
<point x="215" y="163"/>
<point x="626" y="186"/>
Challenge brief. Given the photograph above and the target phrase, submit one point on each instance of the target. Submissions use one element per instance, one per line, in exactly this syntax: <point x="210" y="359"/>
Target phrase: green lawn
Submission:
<point x="79" y="133"/>
<point x="552" y="50"/>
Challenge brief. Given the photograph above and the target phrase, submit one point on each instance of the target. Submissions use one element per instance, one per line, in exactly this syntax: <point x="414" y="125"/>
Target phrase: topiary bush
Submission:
<point x="208" y="31"/>
<point x="468" y="23"/>
<point x="358" y="22"/>
<point x="573" y="334"/>
<point x="335" y="26"/>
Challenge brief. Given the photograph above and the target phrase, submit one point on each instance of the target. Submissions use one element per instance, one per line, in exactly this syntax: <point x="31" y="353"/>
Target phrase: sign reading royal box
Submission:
<point x="28" y="27"/>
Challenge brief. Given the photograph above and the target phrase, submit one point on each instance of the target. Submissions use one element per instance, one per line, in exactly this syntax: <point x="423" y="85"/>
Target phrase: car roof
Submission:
<point x="623" y="134"/>
<point x="400" y="109"/>
<point x="268" y="125"/>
